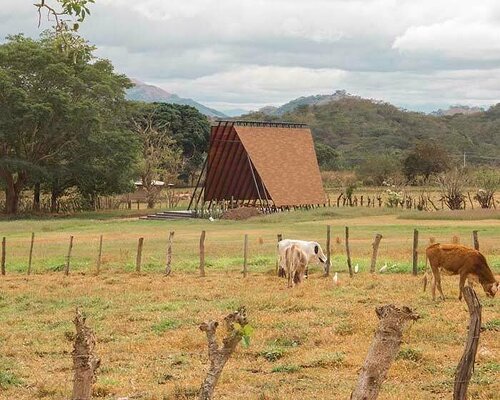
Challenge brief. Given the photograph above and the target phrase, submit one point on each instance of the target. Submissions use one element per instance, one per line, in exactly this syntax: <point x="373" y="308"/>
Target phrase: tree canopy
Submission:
<point x="63" y="120"/>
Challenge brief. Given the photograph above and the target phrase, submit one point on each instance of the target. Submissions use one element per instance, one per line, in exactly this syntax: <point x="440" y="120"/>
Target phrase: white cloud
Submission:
<point x="255" y="52"/>
<point x="475" y="40"/>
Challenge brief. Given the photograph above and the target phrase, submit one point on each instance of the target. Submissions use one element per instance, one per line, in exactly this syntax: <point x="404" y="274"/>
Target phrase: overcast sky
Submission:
<point x="416" y="54"/>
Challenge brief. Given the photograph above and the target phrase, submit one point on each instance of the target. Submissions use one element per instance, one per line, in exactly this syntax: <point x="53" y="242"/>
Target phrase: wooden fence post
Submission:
<point x="245" y="255"/>
<point x="168" y="267"/>
<point x="475" y="240"/>
<point x="348" y="251"/>
<point x="279" y="272"/>
<point x="202" y="253"/>
<point x="31" y="252"/>
<point x="4" y="251"/>
<point x="382" y="351"/>
<point x="85" y="363"/>
<point x="415" y="252"/>
<point x="466" y="365"/>
<point x="376" y="242"/>
<point x="138" y="259"/>
<point x="328" y="251"/>
<point x="99" y="256"/>
<point x="68" y="258"/>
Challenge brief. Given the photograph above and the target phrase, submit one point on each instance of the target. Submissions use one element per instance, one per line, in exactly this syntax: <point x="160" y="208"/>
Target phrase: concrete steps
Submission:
<point x="170" y="215"/>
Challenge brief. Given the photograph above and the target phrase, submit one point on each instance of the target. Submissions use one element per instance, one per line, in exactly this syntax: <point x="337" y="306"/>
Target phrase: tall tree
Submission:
<point x="161" y="157"/>
<point x="191" y="130"/>
<point x="425" y="159"/>
<point x="55" y="104"/>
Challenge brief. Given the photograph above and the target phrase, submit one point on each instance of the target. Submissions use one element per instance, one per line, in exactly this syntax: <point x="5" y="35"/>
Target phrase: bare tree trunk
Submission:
<point x="85" y="363"/>
<point x="36" y="197"/>
<point x="466" y="365"/>
<point x="383" y="350"/>
<point x="219" y="355"/>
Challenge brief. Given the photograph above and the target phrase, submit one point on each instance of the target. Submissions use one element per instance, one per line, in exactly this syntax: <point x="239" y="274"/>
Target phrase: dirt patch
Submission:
<point x="241" y="213"/>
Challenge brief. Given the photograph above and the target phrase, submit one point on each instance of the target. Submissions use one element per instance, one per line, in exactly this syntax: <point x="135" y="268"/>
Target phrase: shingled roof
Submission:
<point x="270" y="163"/>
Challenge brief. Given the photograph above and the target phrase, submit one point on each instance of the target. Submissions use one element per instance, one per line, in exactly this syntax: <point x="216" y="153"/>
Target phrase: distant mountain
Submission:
<point x="319" y="99"/>
<point x="360" y="128"/>
<point x="149" y="94"/>
<point x="458" y="109"/>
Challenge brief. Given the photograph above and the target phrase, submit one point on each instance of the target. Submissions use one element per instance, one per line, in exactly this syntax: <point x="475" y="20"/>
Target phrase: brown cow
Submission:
<point x="454" y="259"/>
<point x="296" y="261"/>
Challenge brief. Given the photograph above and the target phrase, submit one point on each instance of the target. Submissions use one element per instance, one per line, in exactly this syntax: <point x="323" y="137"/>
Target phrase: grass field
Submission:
<point x="308" y="342"/>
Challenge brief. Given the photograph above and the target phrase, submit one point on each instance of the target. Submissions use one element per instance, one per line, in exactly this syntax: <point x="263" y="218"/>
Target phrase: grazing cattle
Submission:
<point x="312" y="249"/>
<point x="454" y="259"/>
<point x="296" y="261"/>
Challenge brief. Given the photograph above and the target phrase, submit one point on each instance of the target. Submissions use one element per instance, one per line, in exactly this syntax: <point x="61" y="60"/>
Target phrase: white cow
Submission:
<point x="312" y="249"/>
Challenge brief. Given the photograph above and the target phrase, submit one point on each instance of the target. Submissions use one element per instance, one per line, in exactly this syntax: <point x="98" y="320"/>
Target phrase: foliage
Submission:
<point x="62" y="123"/>
<point x="425" y="159"/>
<point x="452" y="185"/>
<point x="359" y="128"/>
<point x="161" y="158"/>
<point x="377" y="169"/>
<point x="67" y="14"/>
<point x="190" y="129"/>
<point x="488" y="182"/>
<point x="328" y="158"/>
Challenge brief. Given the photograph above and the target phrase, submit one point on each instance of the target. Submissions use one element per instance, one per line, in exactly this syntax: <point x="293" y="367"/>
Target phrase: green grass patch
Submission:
<point x="8" y="379"/>
<point x="492" y="325"/>
<point x="409" y="354"/>
<point x="287" y="369"/>
<point x="272" y="354"/>
<point x="165" y="325"/>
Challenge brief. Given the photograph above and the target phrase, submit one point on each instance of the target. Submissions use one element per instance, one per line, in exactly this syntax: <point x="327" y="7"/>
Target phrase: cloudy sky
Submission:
<point x="416" y="54"/>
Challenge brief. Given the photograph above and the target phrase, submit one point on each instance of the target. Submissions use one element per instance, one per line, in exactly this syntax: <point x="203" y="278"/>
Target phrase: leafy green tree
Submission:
<point x="190" y="129"/>
<point x="161" y="157"/>
<point x="377" y="169"/>
<point x="425" y="160"/>
<point x="66" y="14"/>
<point x="58" y="106"/>
<point x="327" y="156"/>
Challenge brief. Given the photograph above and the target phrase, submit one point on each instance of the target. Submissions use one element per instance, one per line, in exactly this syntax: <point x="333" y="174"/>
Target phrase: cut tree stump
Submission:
<point x="383" y="350"/>
<point x="218" y="355"/>
<point x="85" y="363"/>
<point x="466" y="365"/>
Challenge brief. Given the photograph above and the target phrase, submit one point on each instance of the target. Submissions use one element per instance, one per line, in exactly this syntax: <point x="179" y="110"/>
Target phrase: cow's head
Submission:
<point x="319" y="252"/>
<point x="491" y="289"/>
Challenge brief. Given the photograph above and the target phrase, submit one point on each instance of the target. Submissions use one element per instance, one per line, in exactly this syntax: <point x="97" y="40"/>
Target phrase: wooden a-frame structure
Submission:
<point x="265" y="164"/>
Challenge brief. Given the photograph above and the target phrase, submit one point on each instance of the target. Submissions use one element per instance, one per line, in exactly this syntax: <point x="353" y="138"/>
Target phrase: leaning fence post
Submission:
<point x="168" y="267"/>
<point x="348" y="251"/>
<point x="415" y="252"/>
<point x="202" y="253"/>
<point x="475" y="240"/>
<point x="99" y="256"/>
<point x="376" y="242"/>
<point x="4" y="250"/>
<point x="138" y="259"/>
<point x="68" y="258"/>
<point x="466" y="365"/>
<point x="328" y="250"/>
<point x="31" y="252"/>
<point x="245" y="255"/>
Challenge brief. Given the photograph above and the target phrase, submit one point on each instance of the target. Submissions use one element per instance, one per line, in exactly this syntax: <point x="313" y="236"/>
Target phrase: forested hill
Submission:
<point x="358" y="128"/>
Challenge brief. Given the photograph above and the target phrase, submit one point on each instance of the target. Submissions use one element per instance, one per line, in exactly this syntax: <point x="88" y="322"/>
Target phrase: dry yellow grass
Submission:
<point x="308" y="342"/>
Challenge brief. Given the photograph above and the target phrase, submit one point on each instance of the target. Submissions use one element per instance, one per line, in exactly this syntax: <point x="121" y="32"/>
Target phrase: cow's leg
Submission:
<point x="438" y="282"/>
<point x="461" y="285"/>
